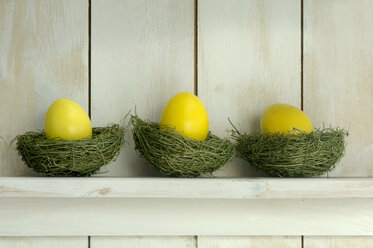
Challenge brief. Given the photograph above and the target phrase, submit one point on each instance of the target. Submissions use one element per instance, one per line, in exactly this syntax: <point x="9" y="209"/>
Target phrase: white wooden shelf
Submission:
<point x="40" y="206"/>
<point x="198" y="188"/>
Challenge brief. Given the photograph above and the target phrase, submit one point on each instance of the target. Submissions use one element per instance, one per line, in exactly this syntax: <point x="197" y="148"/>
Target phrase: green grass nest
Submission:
<point x="76" y="158"/>
<point x="177" y="156"/>
<point x="296" y="155"/>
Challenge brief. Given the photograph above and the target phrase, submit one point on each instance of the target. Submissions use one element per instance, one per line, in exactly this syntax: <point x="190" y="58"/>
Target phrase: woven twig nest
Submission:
<point x="177" y="156"/>
<point x="296" y="155"/>
<point x="82" y="157"/>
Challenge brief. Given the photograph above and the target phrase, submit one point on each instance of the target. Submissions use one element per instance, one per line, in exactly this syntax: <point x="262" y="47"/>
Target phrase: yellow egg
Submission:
<point x="65" y="119"/>
<point x="283" y="118"/>
<point x="187" y="114"/>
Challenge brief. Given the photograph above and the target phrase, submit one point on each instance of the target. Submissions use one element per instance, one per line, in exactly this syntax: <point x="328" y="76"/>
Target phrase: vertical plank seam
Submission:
<point x="89" y="58"/>
<point x="302" y="58"/>
<point x="89" y="241"/>
<point x="302" y="241"/>
<point x="301" y="53"/>
<point x="196" y="241"/>
<point x="196" y="47"/>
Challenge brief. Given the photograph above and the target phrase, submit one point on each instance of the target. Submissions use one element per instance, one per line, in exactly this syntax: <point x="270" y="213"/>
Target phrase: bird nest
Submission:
<point x="75" y="158"/>
<point x="177" y="156"/>
<point x="296" y="155"/>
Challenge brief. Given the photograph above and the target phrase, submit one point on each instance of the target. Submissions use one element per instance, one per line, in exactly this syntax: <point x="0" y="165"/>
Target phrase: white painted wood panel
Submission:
<point x="144" y="242"/>
<point x="338" y="88"/>
<point x="44" y="242"/>
<point x="338" y="242"/>
<point x="142" y="54"/>
<point x="249" y="242"/>
<point x="44" y="54"/>
<point x="154" y="217"/>
<point x="248" y="58"/>
<point x="201" y="188"/>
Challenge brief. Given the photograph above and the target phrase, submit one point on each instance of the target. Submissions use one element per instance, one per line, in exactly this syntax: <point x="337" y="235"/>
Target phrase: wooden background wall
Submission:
<point x="239" y="56"/>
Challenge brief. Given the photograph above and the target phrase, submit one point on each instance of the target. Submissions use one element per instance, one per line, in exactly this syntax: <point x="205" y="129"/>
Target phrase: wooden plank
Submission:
<point x="43" y="242"/>
<point x="248" y="58"/>
<point x="142" y="54"/>
<point x="338" y="61"/>
<point x="144" y="242"/>
<point x="338" y="242"/>
<point x="44" y="54"/>
<point x="203" y="188"/>
<point x="163" y="217"/>
<point x="249" y="242"/>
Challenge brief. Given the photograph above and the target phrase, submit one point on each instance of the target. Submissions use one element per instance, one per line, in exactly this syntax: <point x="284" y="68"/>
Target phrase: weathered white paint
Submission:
<point x="248" y="58"/>
<point x="249" y="242"/>
<point x="131" y="217"/>
<point x="199" y="188"/>
<point x="338" y="88"/>
<point x="338" y="242"/>
<point x="144" y="242"/>
<point x="142" y="54"/>
<point x="44" y="242"/>
<point x="44" y="54"/>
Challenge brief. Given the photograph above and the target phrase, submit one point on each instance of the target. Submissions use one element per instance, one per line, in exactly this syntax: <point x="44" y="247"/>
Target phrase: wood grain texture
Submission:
<point x="248" y="58"/>
<point x="338" y="89"/>
<point x="207" y="217"/>
<point x="249" y="242"/>
<point x="201" y="188"/>
<point x="43" y="242"/>
<point x="44" y="53"/>
<point x="142" y="54"/>
<point x="338" y="242"/>
<point x="144" y="242"/>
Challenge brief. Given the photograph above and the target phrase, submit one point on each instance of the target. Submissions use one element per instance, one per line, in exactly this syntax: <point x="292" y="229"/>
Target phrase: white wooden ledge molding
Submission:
<point x="203" y="206"/>
<point x="201" y="188"/>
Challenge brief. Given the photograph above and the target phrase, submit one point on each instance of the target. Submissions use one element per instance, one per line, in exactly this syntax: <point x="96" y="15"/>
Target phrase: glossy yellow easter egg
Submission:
<point x="284" y="118"/>
<point x="187" y="114"/>
<point x="65" y="119"/>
